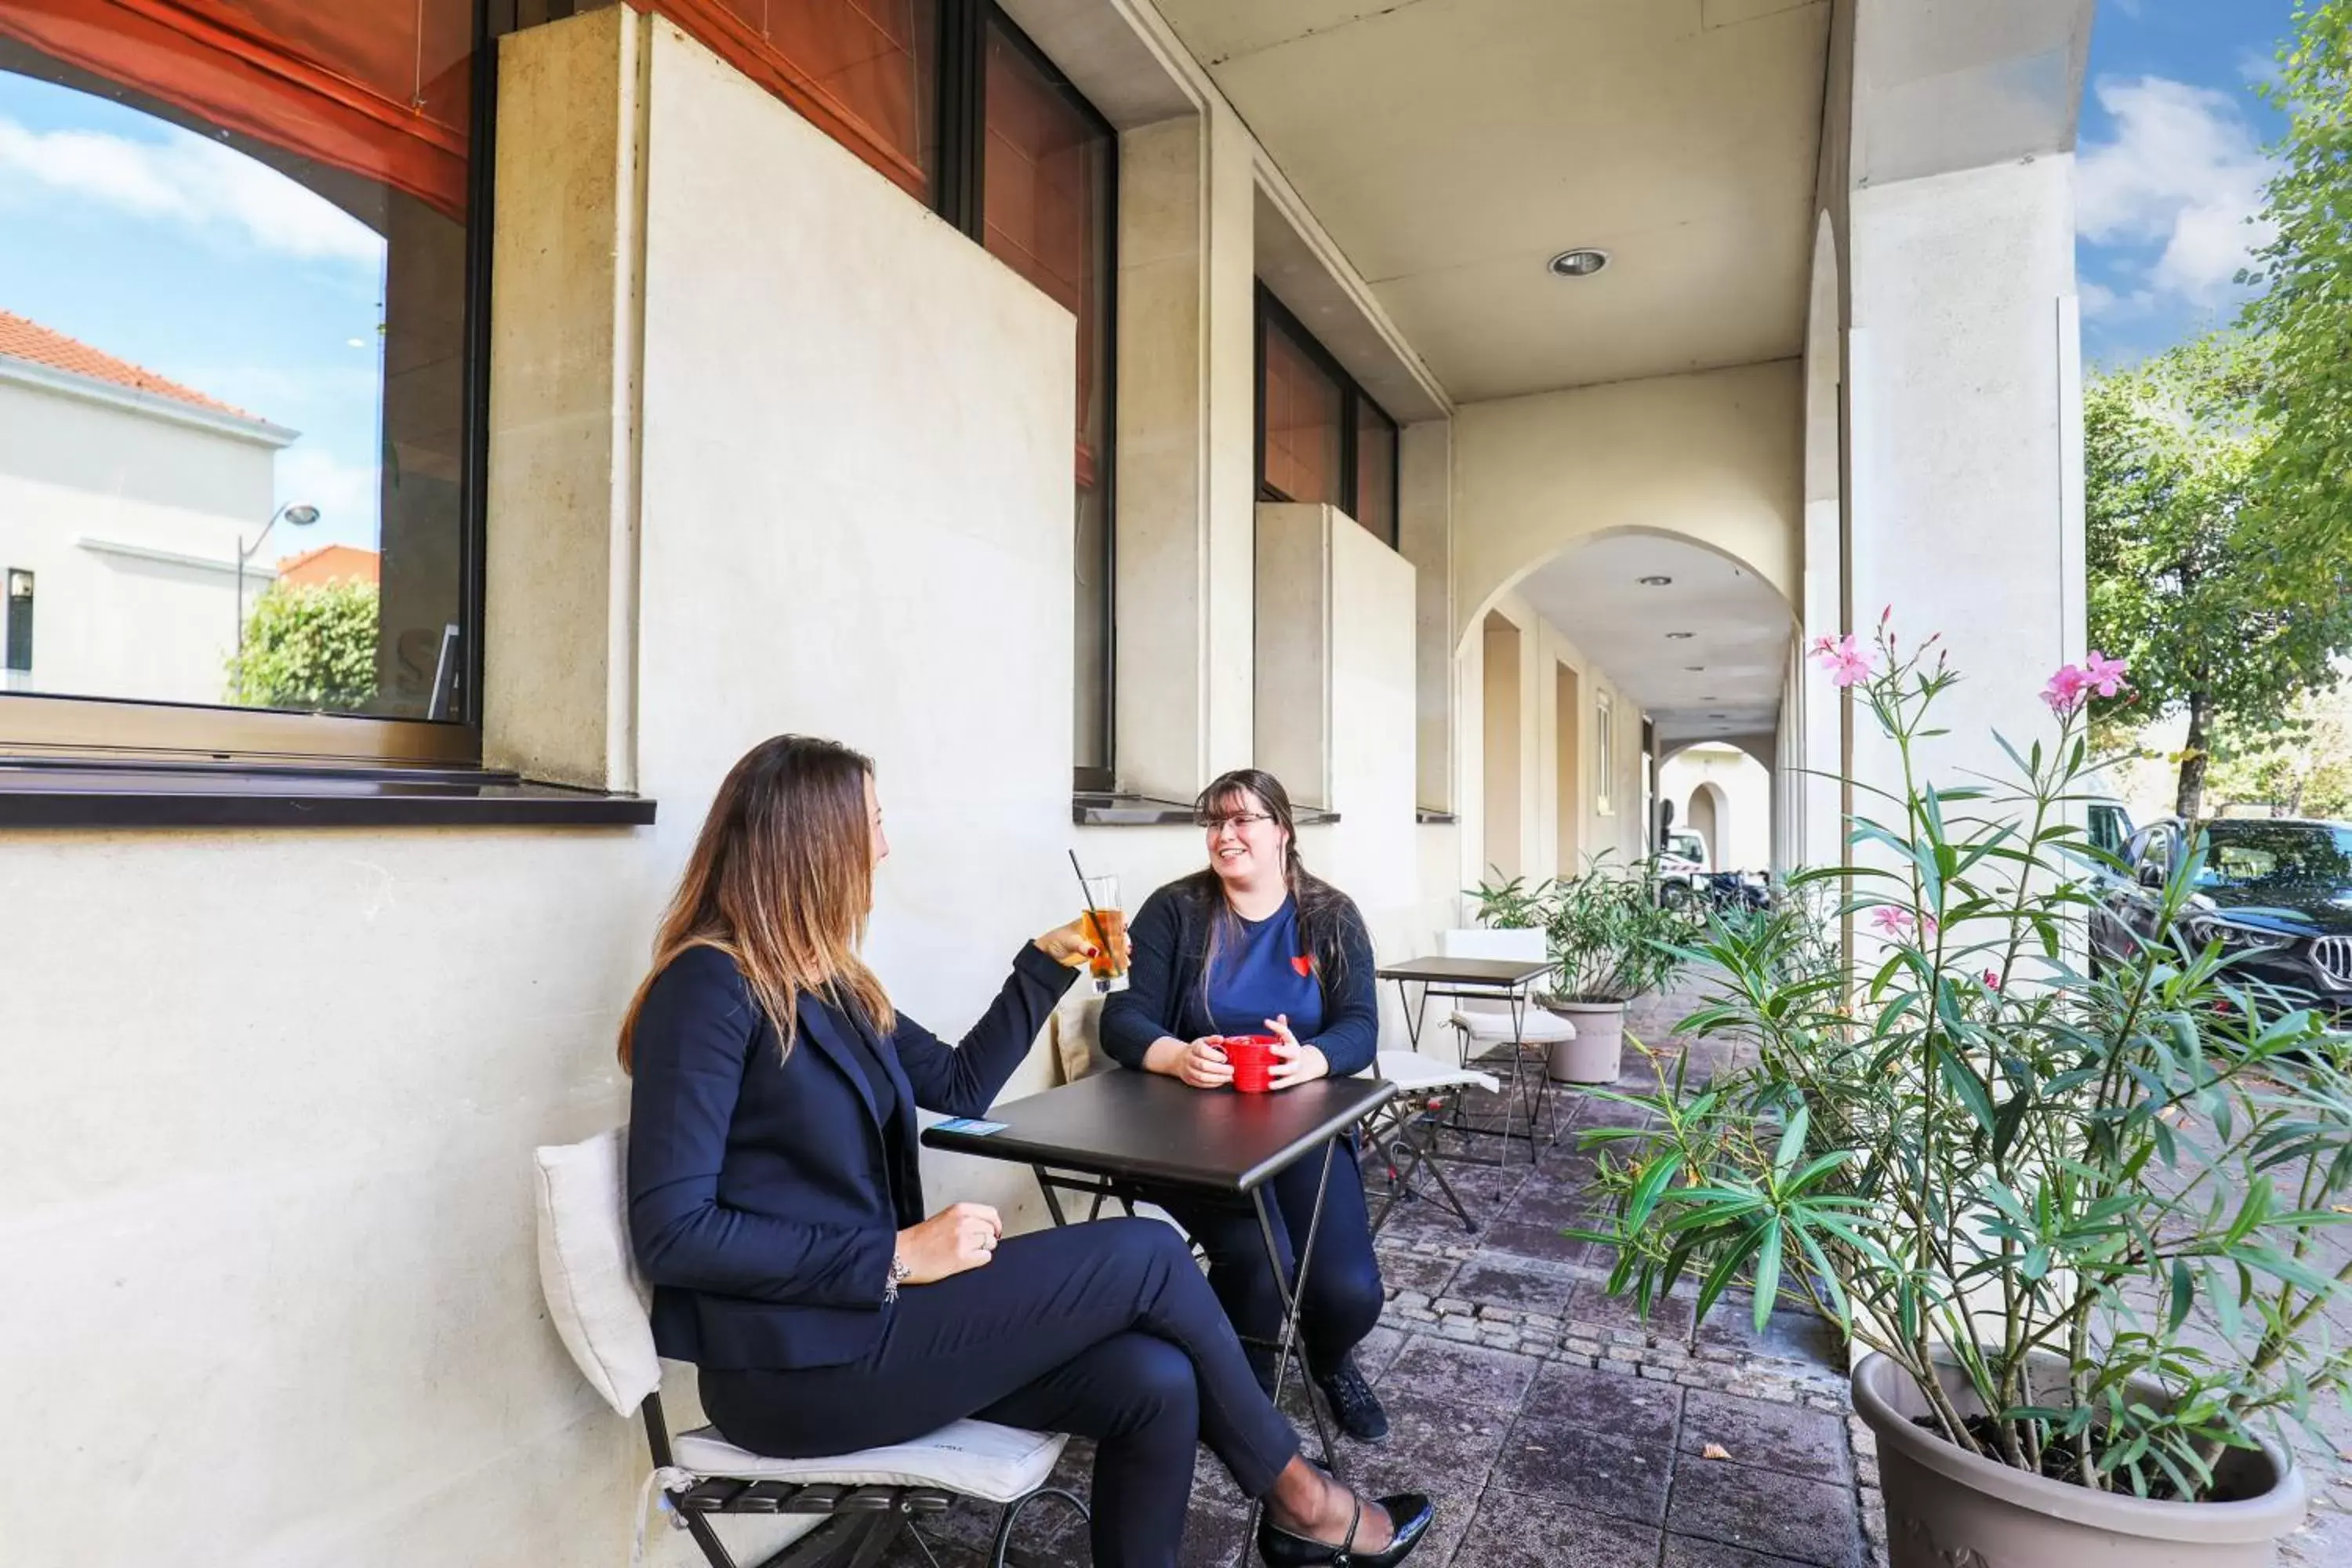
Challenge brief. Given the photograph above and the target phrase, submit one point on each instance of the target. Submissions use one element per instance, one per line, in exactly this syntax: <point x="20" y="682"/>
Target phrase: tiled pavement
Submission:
<point x="1556" y="1430"/>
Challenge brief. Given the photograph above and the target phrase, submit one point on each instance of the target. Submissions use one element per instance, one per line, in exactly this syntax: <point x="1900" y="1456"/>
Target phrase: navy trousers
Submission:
<point x="1105" y="1330"/>
<point x="1343" y="1283"/>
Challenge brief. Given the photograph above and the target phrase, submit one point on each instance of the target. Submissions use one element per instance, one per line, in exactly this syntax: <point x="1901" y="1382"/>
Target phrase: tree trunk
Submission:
<point x="2190" y="798"/>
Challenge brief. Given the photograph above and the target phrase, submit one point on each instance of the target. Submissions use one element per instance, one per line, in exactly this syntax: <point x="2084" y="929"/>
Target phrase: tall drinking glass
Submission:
<point x="1106" y="930"/>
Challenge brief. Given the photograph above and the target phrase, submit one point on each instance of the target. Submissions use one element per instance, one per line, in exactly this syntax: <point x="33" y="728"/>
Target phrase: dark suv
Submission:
<point x="2275" y="893"/>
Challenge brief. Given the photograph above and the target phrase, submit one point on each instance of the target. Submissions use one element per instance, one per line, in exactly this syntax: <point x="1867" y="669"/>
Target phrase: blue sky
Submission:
<point x="2173" y="166"/>
<point x="170" y="250"/>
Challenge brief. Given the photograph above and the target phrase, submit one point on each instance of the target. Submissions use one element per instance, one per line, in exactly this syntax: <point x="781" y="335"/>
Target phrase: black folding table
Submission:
<point x="1132" y="1132"/>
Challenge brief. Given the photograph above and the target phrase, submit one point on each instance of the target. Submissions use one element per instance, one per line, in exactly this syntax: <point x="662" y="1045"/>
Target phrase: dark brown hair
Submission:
<point x="1323" y="909"/>
<point x="781" y="880"/>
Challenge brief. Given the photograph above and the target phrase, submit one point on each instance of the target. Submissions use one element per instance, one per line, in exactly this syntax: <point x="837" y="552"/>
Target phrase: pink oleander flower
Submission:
<point x="1992" y="979"/>
<point x="1891" y="922"/>
<point x="1847" y="660"/>
<point x="2067" y="689"/>
<point x="2104" y="674"/>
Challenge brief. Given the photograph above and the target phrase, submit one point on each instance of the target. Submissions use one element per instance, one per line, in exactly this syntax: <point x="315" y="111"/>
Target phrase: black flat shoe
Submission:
<point x="1410" y="1515"/>
<point x="1353" y="1404"/>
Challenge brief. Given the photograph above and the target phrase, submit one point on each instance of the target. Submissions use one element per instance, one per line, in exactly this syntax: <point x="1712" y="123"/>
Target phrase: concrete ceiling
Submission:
<point x="1739" y="631"/>
<point x="1451" y="147"/>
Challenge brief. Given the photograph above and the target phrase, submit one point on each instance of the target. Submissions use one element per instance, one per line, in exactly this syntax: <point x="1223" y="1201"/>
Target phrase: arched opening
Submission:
<point x="1727" y="795"/>
<point x="1707" y="811"/>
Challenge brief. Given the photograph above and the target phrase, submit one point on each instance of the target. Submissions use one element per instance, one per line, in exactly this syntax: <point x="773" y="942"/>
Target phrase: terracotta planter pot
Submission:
<point x="1597" y="1054"/>
<point x="1945" y="1508"/>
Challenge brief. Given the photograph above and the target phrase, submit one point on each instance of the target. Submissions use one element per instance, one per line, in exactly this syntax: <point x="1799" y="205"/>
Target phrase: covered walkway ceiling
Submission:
<point x="1738" y="632"/>
<point x="1451" y="147"/>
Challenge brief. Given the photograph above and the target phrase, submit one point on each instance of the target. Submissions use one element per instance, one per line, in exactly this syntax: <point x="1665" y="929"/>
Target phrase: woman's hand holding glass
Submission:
<point x="1072" y="945"/>
<point x="1294" y="1063"/>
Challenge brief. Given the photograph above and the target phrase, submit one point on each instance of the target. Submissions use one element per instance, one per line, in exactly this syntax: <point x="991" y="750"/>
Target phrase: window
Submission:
<point x="1320" y="436"/>
<point x="952" y="101"/>
<point x="240" y="379"/>
<point x="1604" y="754"/>
<point x="17" y="634"/>
<point x="1048" y="180"/>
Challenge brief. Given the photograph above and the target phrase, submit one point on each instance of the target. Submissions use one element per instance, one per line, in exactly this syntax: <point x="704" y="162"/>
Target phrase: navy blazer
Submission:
<point x="764" y="1204"/>
<point x="1170" y="934"/>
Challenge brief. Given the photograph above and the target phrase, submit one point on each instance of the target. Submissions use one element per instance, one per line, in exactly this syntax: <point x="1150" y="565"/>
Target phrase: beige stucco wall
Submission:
<point x="1716" y="456"/>
<point x="269" y="1099"/>
<point x="128" y="513"/>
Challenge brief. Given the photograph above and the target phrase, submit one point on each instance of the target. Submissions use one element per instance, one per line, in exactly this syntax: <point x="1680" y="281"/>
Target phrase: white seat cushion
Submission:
<point x="973" y="1458"/>
<point x="1411" y="1071"/>
<point x="1537" y="1027"/>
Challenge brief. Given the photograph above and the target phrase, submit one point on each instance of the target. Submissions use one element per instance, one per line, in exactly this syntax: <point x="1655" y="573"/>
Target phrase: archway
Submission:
<point x="1708" y="811"/>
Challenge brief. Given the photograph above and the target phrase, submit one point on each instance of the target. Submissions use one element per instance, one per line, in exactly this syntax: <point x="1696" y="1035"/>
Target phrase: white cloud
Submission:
<point x="187" y="179"/>
<point x="2185" y="172"/>
<point x="2132" y="8"/>
<point x="2102" y="303"/>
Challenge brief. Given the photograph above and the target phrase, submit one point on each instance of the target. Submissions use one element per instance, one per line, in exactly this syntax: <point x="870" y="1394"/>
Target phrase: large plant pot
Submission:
<point x="1945" y="1508"/>
<point x="1597" y="1055"/>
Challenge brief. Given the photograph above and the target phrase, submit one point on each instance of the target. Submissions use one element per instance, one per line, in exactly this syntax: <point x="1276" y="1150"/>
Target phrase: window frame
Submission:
<point x="37" y="727"/>
<point x="1271" y="315"/>
<point x="959" y="189"/>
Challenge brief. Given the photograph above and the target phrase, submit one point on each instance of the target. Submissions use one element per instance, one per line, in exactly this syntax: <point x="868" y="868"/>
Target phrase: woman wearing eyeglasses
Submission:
<point x="1257" y="944"/>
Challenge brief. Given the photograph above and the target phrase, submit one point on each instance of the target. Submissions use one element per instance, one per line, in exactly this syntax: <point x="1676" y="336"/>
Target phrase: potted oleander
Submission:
<point x="2074" y="1225"/>
<point x="1609" y="938"/>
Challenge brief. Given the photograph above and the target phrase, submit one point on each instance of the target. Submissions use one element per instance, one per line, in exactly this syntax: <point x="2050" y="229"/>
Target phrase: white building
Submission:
<point x="124" y="499"/>
<point x="762" y="419"/>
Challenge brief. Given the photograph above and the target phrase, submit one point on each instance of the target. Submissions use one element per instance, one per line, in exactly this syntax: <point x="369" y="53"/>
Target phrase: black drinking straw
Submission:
<point x="1088" y="899"/>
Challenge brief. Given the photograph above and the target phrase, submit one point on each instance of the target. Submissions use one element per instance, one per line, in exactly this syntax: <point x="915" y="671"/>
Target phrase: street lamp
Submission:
<point x="300" y="516"/>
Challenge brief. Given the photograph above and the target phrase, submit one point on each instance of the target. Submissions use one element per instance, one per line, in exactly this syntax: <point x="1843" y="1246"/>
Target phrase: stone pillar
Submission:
<point x="1187" y="452"/>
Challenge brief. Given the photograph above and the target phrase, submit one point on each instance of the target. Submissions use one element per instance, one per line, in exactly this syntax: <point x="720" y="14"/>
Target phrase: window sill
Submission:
<point x="112" y="795"/>
<point x="1430" y="815"/>
<point x="1105" y="808"/>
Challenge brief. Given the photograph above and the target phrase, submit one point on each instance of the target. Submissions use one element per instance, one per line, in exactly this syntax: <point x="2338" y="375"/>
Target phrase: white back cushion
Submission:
<point x="587" y="1270"/>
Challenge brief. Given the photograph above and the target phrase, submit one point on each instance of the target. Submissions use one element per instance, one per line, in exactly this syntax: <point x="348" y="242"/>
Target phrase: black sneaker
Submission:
<point x="1353" y="1404"/>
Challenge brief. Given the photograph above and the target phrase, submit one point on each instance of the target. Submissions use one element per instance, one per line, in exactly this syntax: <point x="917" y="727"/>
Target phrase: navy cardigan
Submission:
<point x="765" y="1200"/>
<point x="1171" y="943"/>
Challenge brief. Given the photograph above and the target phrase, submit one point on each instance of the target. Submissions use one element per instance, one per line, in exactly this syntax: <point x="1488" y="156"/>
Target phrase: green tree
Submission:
<point x="2303" y="769"/>
<point x="2224" y="611"/>
<point x="2305" y="272"/>
<point x="311" y="648"/>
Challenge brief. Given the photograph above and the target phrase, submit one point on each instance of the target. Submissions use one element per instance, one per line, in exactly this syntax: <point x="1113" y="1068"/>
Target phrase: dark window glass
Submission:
<point x="19" y="613"/>
<point x="1376" y="469"/>
<point x="233" y="431"/>
<point x="1047" y="168"/>
<point x="1302" y="423"/>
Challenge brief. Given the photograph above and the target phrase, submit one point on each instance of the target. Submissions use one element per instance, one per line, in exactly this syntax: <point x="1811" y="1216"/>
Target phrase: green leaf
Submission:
<point x="1768" y="1275"/>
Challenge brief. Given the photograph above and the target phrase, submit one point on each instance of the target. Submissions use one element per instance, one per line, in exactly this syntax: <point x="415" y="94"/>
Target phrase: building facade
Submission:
<point x="1062" y="401"/>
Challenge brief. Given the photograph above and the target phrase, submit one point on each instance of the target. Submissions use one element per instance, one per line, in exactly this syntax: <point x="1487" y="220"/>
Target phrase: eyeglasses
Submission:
<point x="1238" y="819"/>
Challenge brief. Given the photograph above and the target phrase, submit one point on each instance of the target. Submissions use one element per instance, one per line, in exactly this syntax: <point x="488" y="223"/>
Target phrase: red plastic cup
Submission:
<point x="1253" y="1059"/>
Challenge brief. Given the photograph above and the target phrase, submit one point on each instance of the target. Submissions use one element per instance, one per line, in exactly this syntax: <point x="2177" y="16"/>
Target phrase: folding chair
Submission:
<point x="1504" y="1031"/>
<point x="855" y="1505"/>
<point x="1404" y="1133"/>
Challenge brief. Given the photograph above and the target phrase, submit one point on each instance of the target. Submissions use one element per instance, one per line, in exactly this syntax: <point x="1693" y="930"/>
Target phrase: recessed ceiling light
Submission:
<point x="1581" y="262"/>
<point x="1718" y="715"/>
<point x="1695" y="668"/>
<point x="1680" y="637"/>
<point x="1653" y="581"/>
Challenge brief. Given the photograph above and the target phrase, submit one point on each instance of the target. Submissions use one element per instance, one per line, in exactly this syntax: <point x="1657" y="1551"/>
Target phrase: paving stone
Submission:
<point x="1461" y="1375"/>
<point x="1463" y="1329"/>
<point x="1449" y="1305"/>
<point x="1771" y="1437"/>
<point x="1766" y="1512"/>
<point x="1688" y="1552"/>
<point x="1377" y="1352"/>
<point x="1515" y="1531"/>
<point x="1619" y="1368"/>
<point x="1419" y="1275"/>
<point x="1592" y="1304"/>
<point x="1540" y="1241"/>
<point x="1595" y="1441"/>
<point x="1525" y="1284"/>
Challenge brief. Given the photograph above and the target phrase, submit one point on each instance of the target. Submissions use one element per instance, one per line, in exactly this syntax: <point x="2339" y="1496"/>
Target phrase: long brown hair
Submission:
<point x="1323" y="909"/>
<point x="781" y="880"/>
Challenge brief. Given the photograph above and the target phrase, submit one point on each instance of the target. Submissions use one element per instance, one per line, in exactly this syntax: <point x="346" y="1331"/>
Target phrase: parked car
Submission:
<point x="1682" y="867"/>
<point x="2276" y="893"/>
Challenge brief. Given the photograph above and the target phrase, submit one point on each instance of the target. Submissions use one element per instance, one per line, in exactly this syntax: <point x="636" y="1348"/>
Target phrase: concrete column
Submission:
<point x="1966" y="513"/>
<point x="1425" y="538"/>
<point x="1187" y="452"/>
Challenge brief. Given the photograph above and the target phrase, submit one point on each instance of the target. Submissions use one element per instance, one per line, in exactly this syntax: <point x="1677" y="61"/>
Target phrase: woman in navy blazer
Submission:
<point x="1257" y="943"/>
<point x="776" y="1202"/>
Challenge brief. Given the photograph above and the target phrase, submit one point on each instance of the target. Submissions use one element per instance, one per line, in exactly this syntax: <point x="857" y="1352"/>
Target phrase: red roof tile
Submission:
<point x="330" y="562"/>
<point x="21" y="338"/>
